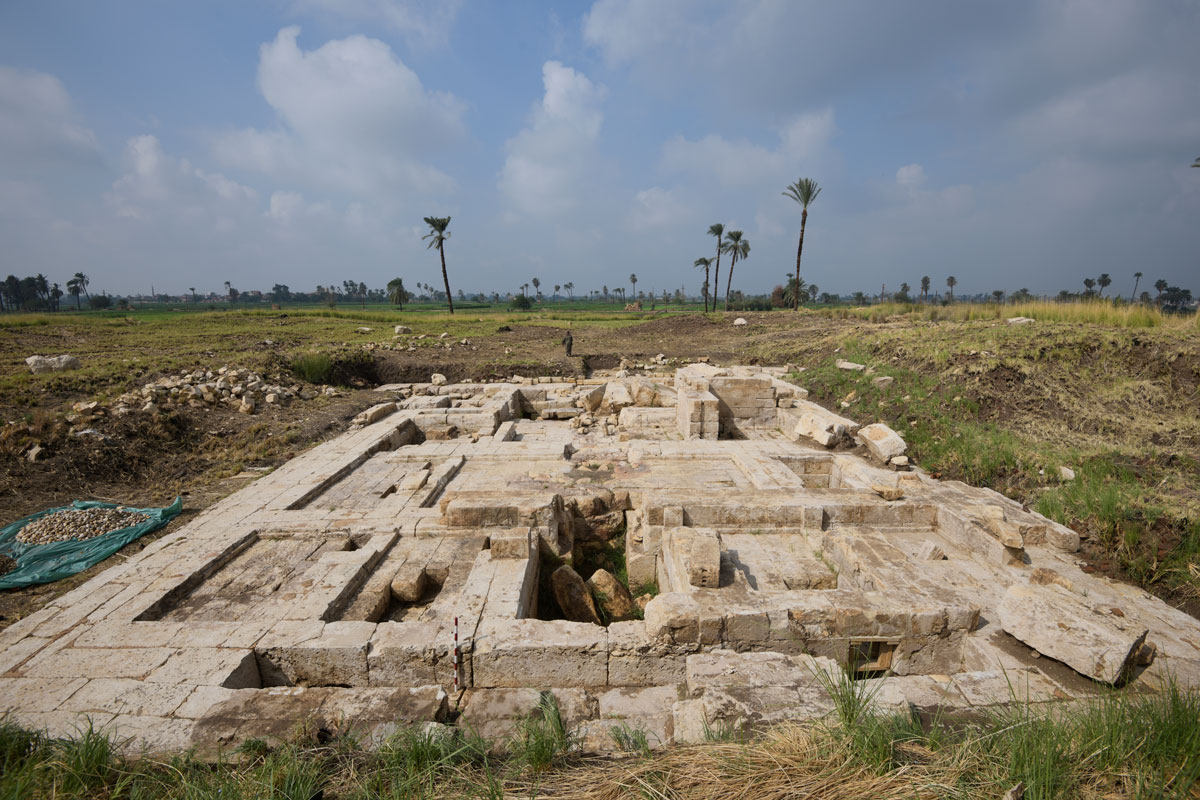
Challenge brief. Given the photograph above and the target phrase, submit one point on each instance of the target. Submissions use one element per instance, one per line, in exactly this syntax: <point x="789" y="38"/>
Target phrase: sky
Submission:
<point x="1011" y="145"/>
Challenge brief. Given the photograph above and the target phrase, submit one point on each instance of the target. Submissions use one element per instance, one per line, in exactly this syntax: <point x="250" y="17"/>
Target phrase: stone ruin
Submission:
<point x="787" y="545"/>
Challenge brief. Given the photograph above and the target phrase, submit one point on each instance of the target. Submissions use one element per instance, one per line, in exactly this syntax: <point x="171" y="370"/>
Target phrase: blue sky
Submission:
<point x="301" y="141"/>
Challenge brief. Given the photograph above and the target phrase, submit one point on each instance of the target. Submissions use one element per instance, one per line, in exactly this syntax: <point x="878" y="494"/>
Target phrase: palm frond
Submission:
<point x="804" y="191"/>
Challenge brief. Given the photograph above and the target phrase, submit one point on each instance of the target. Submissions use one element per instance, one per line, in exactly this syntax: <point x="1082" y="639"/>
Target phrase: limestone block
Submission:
<point x="729" y="669"/>
<point x="337" y="656"/>
<point x="645" y="711"/>
<point x="673" y="617"/>
<point x="616" y="397"/>
<point x="849" y="365"/>
<point x="573" y="597"/>
<point x="931" y="551"/>
<point x="746" y="710"/>
<point x="209" y="666"/>
<point x="882" y="442"/>
<point x="512" y="543"/>
<point x="494" y="714"/>
<point x="374" y="413"/>
<point x="591" y="399"/>
<point x="1060" y="624"/>
<point x="822" y="426"/>
<point x="612" y="596"/>
<point x="704" y="559"/>
<point x="530" y="652"/>
<point x="636" y="659"/>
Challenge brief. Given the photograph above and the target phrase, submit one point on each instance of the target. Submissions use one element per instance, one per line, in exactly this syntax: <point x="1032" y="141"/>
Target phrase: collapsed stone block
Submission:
<point x="1058" y="623"/>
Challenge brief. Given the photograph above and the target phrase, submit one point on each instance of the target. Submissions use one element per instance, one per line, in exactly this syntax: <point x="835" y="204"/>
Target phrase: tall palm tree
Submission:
<point x="192" y="289"/>
<point x="1161" y="286"/>
<point x="537" y="288"/>
<point x="925" y="287"/>
<point x="633" y="281"/>
<point x="706" y="263"/>
<point x="803" y="191"/>
<point x="1104" y="282"/>
<point x="1089" y="284"/>
<point x="904" y="290"/>
<point x="739" y="250"/>
<point x="951" y="282"/>
<point x="1137" y="276"/>
<point x="437" y="237"/>
<point x="717" y="230"/>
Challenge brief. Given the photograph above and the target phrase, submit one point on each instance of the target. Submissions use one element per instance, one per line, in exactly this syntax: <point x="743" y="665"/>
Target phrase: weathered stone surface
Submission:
<point x="374" y="413"/>
<point x="1065" y="626"/>
<point x="40" y="364"/>
<point x="882" y="442"/>
<point x="673" y="616"/>
<point x="612" y="596"/>
<point x="572" y="596"/>
<point x="704" y="560"/>
<point x="740" y="321"/>
<point x="437" y="379"/>
<point x="849" y="365"/>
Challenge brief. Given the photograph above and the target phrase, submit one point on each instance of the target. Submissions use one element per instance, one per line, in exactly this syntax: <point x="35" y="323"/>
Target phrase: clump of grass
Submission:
<point x="313" y="367"/>
<point x="630" y="740"/>
<point x="542" y="736"/>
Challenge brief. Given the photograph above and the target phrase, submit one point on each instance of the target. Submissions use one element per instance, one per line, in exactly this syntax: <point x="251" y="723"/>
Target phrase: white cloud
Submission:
<point x="547" y="161"/>
<point x="741" y="163"/>
<point x="910" y="176"/>
<point x="37" y="123"/>
<point x="353" y="118"/>
<point x="155" y="185"/>
<point x="657" y="208"/>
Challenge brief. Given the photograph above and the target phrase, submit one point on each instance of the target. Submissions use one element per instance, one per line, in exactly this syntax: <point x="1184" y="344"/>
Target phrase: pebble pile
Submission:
<point x="77" y="524"/>
<point x="7" y="564"/>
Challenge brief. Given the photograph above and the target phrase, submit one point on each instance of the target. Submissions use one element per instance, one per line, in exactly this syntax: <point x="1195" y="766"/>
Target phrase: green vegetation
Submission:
<point x="313" y="367"/>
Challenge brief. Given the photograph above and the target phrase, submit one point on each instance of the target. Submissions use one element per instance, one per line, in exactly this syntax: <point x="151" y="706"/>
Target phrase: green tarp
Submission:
<point x="42" y="563"/>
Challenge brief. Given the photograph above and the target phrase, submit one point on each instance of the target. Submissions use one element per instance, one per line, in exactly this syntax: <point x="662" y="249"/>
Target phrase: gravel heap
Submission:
<point x="7" y="564"/>
<point x="77" y="524"/>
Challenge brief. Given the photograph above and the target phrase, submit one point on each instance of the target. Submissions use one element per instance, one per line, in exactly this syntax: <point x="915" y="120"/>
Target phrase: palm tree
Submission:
<point x="717" y="230"/>
<point x="706" y="263"/>
<point x="397" y="294"/>
<point x="813" y="290"/>
<point x="633" y="280"/>
<point x="570" y="287"/>
<point x="925" y="288"/>
<point x="1089" y="284"/>
<point x="228" y="289"/>
<point x="437" y="237"/>
<point x="904" y="290"/>
<point x="1137" y="276"/>
<point x="556" y="288"/>
<point x="1161" y="286"/>
<point x="192" y="289"/>
<point x="951" y="282"/>
<point x="803" y="191"/>
<point x="998" y="295"/>
<point x="738" y="249"/>
<point x="537" y="288"/>
<point x="74" y="289"/>
<point x="1104" y="282"/>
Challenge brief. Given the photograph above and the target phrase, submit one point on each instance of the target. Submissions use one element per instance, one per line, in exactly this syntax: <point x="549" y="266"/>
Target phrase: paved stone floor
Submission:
<point x="786" y="543"/>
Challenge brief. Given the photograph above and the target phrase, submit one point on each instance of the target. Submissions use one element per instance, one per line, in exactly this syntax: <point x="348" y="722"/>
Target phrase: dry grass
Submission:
<point x="1094" y="312"/>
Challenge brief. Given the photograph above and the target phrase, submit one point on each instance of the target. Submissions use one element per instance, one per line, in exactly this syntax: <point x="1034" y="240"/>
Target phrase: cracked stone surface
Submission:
<point x="330" y="590"/>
